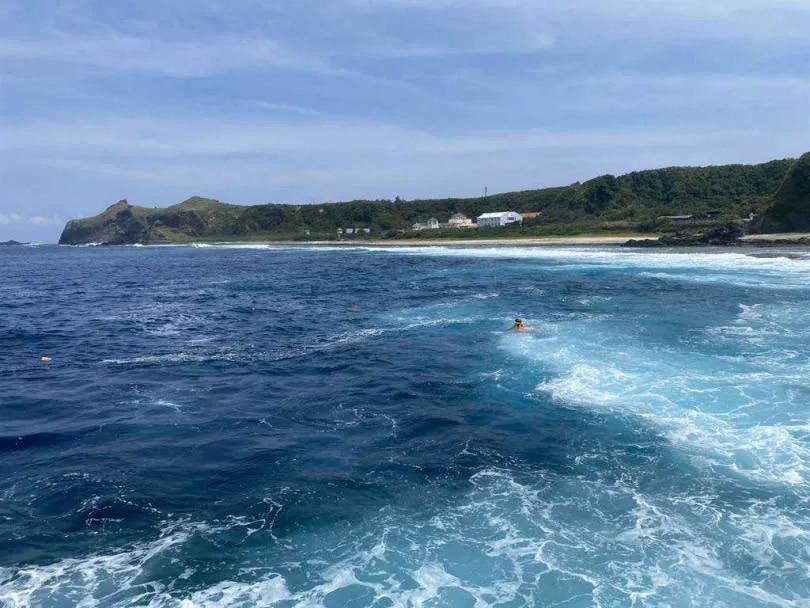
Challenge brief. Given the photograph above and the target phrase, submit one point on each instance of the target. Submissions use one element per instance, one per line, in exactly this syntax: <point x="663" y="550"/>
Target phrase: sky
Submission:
<point x="304" y="101"/>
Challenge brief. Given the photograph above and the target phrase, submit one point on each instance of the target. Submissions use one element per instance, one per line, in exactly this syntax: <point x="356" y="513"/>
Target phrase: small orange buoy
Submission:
<point x="45" y="359"/>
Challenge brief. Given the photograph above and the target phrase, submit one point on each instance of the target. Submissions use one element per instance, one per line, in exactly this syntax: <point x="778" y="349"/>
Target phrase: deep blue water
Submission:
<point x="248" y="426"/>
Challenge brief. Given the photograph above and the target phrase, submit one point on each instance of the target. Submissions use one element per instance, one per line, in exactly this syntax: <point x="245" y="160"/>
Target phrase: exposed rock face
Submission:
<point x="790" y="211"/>
<point x="118" y="224"/>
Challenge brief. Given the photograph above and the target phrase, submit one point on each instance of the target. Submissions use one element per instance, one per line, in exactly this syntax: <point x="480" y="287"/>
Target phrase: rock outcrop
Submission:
<point x="119" y="224"/>
<point x="123" y="223"/>
<point x="719" y="236"/>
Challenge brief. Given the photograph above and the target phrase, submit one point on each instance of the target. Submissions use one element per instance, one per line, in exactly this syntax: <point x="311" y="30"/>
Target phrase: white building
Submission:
<point x="353" y="232"/>
<point x="431" y="224"/>
<point x="500" y="218"/>
<point x="459" y="220"/>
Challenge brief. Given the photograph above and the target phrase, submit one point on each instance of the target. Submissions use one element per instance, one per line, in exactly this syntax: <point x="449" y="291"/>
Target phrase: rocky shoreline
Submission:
<point x="730" y="235"/>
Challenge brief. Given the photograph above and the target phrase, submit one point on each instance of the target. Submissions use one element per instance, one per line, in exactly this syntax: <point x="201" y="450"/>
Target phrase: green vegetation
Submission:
<point x="606" y="204"/>
<point x="790" y="211"/>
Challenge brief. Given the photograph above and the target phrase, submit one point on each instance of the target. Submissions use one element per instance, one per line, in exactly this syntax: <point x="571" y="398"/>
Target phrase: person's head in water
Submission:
<point x="518" y="324"/>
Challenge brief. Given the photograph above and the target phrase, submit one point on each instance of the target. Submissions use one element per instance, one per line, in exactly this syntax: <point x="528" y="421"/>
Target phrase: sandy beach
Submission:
<point x="784" y="236"/>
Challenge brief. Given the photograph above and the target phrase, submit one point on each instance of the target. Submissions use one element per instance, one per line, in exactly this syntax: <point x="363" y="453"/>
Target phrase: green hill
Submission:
<point x="630" y="202"/>
<point x="790" y="211"/>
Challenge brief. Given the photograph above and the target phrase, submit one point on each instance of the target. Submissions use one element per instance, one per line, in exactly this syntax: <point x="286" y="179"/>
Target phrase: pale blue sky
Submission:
<point x="303" y="101"/>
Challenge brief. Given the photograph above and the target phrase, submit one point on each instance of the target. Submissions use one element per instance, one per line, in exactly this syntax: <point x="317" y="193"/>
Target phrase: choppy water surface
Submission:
<point x="249" y="426"/>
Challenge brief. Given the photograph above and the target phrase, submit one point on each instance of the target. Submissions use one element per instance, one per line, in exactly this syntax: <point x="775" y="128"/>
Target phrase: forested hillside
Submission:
<point x="628" y="202"/>
<point x="791" y="207"/>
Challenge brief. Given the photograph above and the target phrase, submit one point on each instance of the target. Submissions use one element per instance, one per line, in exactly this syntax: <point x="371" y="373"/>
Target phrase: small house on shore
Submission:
<point x="459" y="220"/>
<point x="705" y="218"/>
<point x="353" y="232"/>
<point x="431" y="224"/>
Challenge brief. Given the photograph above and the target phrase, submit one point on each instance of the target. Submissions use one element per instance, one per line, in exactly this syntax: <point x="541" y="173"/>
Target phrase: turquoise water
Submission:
<point x="253" y="426"/>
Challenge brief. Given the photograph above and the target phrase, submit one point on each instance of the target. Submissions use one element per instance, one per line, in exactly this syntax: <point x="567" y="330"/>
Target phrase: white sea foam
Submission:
<point x="786" y="272"/>
<point x="182" y="357"/>
<point x="718" y="420"/>
<point x="169" y="404"/>
<point x="243" y="353"/>
<point x="541" y="540"/>
<point x="158" y="319"/>
<point x="86" y="581"/>
<point x="742" y="414"/>
<point x="758" y="324"/>
<point x="627" y="257"/>
<point x="229" y="593"/>
<point x="257" y="245"/>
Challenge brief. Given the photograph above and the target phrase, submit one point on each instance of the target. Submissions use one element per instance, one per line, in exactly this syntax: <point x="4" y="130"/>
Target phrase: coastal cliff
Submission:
<point x="635" y="202"/>
<point x="123" y="223"/>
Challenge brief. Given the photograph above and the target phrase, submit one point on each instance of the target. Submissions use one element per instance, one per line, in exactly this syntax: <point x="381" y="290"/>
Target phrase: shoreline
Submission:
<point x="518" y="242"/>
<point x="755" y="240"/>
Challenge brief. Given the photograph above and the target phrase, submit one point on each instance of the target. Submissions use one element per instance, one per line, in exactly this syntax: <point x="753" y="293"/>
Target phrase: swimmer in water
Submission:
<point x="520" y="326"/>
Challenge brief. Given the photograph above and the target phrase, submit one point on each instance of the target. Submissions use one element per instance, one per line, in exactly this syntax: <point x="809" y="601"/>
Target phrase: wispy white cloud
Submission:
<point x="707" y="8"/>
<point x="39" y="220"/>
<point x="316" y="136"/>
<point x="35" y="220"/>
<point x="122" y="53"/>
<point x="377" y="29"/>
<point x="313" y="158"/>
<point x="251" y="100"/>
<point x="282" y="107"/>
<point x="10" y="218"/>
<point x="161" y="138"/>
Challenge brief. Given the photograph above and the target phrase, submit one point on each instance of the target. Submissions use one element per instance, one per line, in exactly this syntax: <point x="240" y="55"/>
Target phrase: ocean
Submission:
<point x="245" y="425"/>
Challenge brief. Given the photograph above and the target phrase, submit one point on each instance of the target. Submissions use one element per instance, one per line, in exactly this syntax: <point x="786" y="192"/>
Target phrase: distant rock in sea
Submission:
<point x="11" y="243"/>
